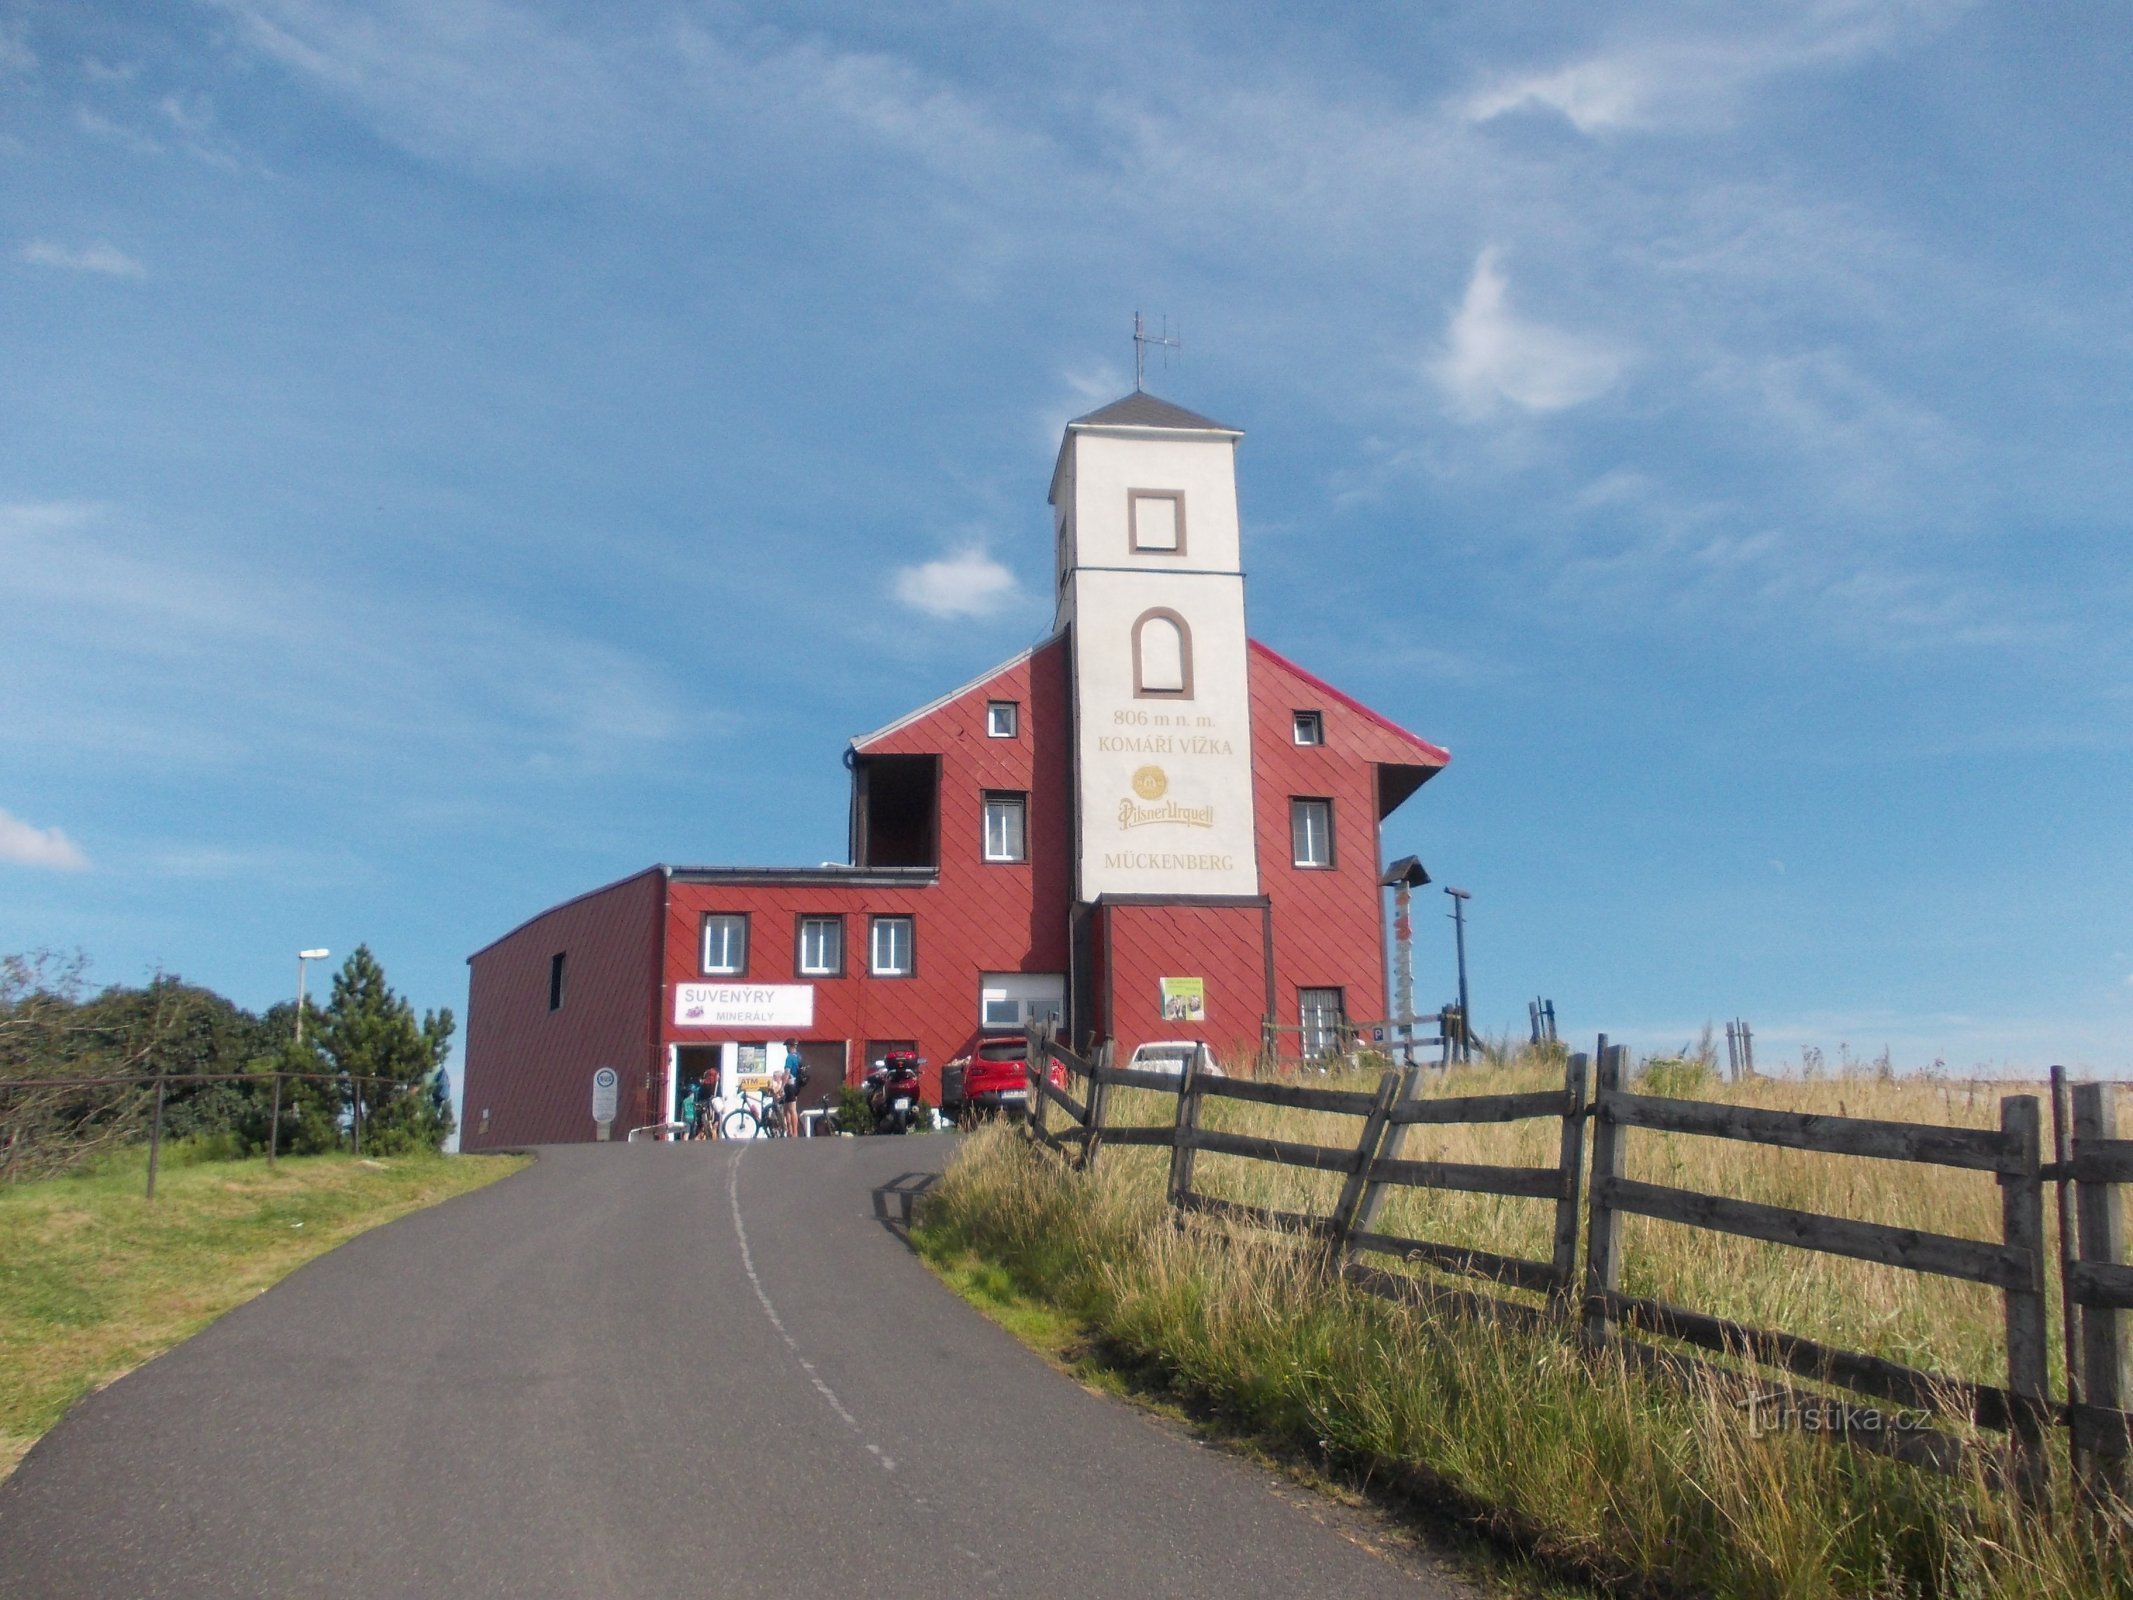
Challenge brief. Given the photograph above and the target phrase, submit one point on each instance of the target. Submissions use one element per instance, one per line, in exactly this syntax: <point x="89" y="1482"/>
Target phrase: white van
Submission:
<point x="1168" y="1056"/>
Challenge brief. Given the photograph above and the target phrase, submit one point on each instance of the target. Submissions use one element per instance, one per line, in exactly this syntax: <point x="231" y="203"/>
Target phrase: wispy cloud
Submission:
<point x="1493" y="357"/>
<point x="107" y="260"/>
<point x="29" y="846"/>
<point x="119" y="612"/>
<point x="15" y="53"/>
<point x="969" y="583"/>
<point x="1674" y="80"/>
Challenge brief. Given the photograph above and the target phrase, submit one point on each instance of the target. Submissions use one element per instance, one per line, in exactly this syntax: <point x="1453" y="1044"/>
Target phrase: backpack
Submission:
<point x="796" y="1069"/>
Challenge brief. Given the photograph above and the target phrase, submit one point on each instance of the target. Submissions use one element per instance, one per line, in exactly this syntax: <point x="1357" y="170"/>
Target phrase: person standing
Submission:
<point x="688" y="1112"/>
<point x="795" y="1081"/>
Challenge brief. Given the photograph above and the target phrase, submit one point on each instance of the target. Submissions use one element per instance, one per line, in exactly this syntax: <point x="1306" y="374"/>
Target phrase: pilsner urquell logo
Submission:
<point x="1151" y="784"/>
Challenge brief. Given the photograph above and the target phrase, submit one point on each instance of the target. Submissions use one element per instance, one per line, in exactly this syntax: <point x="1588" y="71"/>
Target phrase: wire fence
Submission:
<point x="53" y="1123"/>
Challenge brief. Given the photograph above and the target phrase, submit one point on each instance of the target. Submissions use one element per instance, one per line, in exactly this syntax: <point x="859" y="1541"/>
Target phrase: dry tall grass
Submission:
<point x="1591" y="1463"/>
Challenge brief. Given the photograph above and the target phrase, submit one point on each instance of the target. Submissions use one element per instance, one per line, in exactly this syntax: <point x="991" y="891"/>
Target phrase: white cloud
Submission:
<point x="968" y="584"/>
<point x="1676" y="81"/>
<point x="1604" y="93"/>
<point x="28" y="846"/>
<point x="1493" y="356"/>
<point x="106" y="259"/>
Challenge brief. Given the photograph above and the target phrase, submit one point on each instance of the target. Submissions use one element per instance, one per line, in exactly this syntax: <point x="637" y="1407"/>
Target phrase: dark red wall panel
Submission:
<point x="977" y="916"/>
<point x="1220" y="944"/>
<point x="531" y="1068"/>
<point x="1329" y="930"/>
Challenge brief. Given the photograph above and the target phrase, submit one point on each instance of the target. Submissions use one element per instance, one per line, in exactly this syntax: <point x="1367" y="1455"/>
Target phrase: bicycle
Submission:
<point x="757" y="1116"/>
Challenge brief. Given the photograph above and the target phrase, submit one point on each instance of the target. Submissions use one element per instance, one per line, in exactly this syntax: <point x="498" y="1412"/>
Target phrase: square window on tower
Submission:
<point x="1156" y="520"/>
<point x="1003" y="719"/>
<point x="1309" y="727"/>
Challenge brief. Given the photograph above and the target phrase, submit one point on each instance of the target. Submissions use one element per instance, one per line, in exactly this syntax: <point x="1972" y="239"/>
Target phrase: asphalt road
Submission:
<point x="646" y="1371"/>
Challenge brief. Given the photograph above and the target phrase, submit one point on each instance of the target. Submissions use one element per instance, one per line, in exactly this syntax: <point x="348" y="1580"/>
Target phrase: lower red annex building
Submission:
<point x="1149" y="826"/>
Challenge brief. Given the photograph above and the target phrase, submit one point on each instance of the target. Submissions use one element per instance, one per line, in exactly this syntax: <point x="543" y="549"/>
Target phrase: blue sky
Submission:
<point x="455" y="453"/>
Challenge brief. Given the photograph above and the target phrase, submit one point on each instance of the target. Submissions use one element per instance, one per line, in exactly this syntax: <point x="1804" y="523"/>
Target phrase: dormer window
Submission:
<point x="1155" y="521"/>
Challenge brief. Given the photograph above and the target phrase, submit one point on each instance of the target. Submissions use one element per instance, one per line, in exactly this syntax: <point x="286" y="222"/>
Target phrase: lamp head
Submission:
<point x="313" y="955"/>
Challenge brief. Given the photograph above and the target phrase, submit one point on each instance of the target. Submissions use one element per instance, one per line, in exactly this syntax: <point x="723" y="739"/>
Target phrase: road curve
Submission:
<point x="642" y="1371"/>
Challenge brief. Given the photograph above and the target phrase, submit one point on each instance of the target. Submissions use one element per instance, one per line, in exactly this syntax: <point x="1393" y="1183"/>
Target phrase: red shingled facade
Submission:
<point x="628" y="946"/>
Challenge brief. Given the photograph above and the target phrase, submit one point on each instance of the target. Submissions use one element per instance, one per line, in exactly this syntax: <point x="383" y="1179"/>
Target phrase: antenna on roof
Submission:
<point x="1142" y="339"/>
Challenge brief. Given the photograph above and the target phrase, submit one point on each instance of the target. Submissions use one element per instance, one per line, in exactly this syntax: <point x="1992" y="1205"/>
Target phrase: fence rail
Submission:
<point x="161" y="1083"/>
<point x="1591" y="1193"/>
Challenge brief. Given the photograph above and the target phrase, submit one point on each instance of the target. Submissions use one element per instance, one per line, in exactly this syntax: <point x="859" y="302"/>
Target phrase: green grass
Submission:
<point x="1579" y="1462"/>
<point x="95" y="1280"/>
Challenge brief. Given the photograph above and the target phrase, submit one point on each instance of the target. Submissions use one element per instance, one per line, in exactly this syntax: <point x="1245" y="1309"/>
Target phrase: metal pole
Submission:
<point x="1466" y="1015"/>
<point x="299" y="999"/>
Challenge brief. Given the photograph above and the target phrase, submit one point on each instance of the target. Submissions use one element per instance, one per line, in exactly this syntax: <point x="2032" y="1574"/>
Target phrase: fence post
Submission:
<point x="1571" y="1162"/>
<point x="155" y="1136"/>
<point x="1099" y="1098"/>
<point x="2101" y="1210"/>
<point x="1354" y="1191"/>
<point x="274" y="1122"/>
<point x="1366" y="1217"/>
<point x="1188" y="1123"/>
<point x="1040" y="1070"/>
<point x="1603" y="1248"/>
<point x="2022" y="1228"/>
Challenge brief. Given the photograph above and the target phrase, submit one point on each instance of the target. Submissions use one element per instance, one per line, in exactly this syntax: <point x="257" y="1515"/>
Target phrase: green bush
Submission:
<point x="854" y="1115"/>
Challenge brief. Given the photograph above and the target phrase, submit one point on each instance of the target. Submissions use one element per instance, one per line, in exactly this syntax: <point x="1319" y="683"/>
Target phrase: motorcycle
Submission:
<point x="892" y="1091"/>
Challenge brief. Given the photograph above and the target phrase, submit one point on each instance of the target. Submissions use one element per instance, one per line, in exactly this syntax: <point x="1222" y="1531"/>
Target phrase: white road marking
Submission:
<point x="987" y="1572"/>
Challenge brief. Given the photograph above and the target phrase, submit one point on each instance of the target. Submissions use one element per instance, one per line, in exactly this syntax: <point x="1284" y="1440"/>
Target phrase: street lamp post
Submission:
<point x="1466" y="1029"/>
<point x="274" y="1124"/>
<point x="303" y="956"/>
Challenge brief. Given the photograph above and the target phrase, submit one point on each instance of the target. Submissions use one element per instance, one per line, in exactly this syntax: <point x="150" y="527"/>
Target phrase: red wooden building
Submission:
<point x="1149" y="827"/>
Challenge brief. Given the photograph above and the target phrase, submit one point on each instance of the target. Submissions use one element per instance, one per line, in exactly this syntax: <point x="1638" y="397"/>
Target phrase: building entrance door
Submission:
<point x="825" y="1073"/>
<point x="695" y="1066"/>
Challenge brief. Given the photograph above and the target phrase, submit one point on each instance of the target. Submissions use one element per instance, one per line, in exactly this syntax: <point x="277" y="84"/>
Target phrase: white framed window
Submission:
<point x="1006" y="832"/>
<point x="726" y="942"/>
<point x="1324" y="1019"/>
<point x="821" y="947"/>
<point x="1003" y="719"/>
<point x="1009" y="1001"/>
<point x="1309" y="727"/>
<point x="889" y="953"/>
<point x="1311" y="833"/>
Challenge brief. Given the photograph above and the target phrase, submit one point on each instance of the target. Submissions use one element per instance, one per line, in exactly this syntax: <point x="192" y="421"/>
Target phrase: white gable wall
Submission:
<point x="1163" y="783"/>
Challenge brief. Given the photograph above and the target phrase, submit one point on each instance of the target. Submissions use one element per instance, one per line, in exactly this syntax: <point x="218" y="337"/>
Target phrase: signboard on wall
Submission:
<point x="1184" y="999"/>
<point x="606" y="1082"/>
<point x="744" y="1005"/>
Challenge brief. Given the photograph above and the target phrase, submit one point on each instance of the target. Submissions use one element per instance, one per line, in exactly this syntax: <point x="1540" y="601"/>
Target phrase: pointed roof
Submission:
<point x="1141" y="409"/>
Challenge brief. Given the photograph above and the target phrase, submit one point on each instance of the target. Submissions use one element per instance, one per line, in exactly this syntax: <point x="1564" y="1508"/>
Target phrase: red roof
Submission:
<point x="1431" y="754"/>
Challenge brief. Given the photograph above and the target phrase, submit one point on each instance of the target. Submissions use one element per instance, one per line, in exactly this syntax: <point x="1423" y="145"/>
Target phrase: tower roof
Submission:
<point x="1141" y="409"/>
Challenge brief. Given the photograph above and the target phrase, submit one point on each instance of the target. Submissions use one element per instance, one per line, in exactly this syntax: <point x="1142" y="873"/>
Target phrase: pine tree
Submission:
<point x="369" y="1032"/>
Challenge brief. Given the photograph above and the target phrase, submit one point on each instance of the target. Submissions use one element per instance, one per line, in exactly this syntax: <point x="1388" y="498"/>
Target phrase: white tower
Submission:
<point x="1151" y="580"/>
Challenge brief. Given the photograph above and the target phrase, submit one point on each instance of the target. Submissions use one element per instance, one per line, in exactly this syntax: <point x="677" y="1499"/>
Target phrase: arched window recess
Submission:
<point x="1162" y="655"/>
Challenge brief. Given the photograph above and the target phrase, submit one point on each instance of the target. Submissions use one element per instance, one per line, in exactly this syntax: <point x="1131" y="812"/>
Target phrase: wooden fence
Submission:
<point x="2090" y="1164"/>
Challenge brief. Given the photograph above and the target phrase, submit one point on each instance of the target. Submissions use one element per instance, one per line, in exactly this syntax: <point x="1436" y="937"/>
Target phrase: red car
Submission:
<point x="992" y="1080"/>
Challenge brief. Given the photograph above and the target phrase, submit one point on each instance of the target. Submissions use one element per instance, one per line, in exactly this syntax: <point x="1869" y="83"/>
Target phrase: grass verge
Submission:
<point x="94" y="1280"/>
<point x="1581" y="1463"/>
